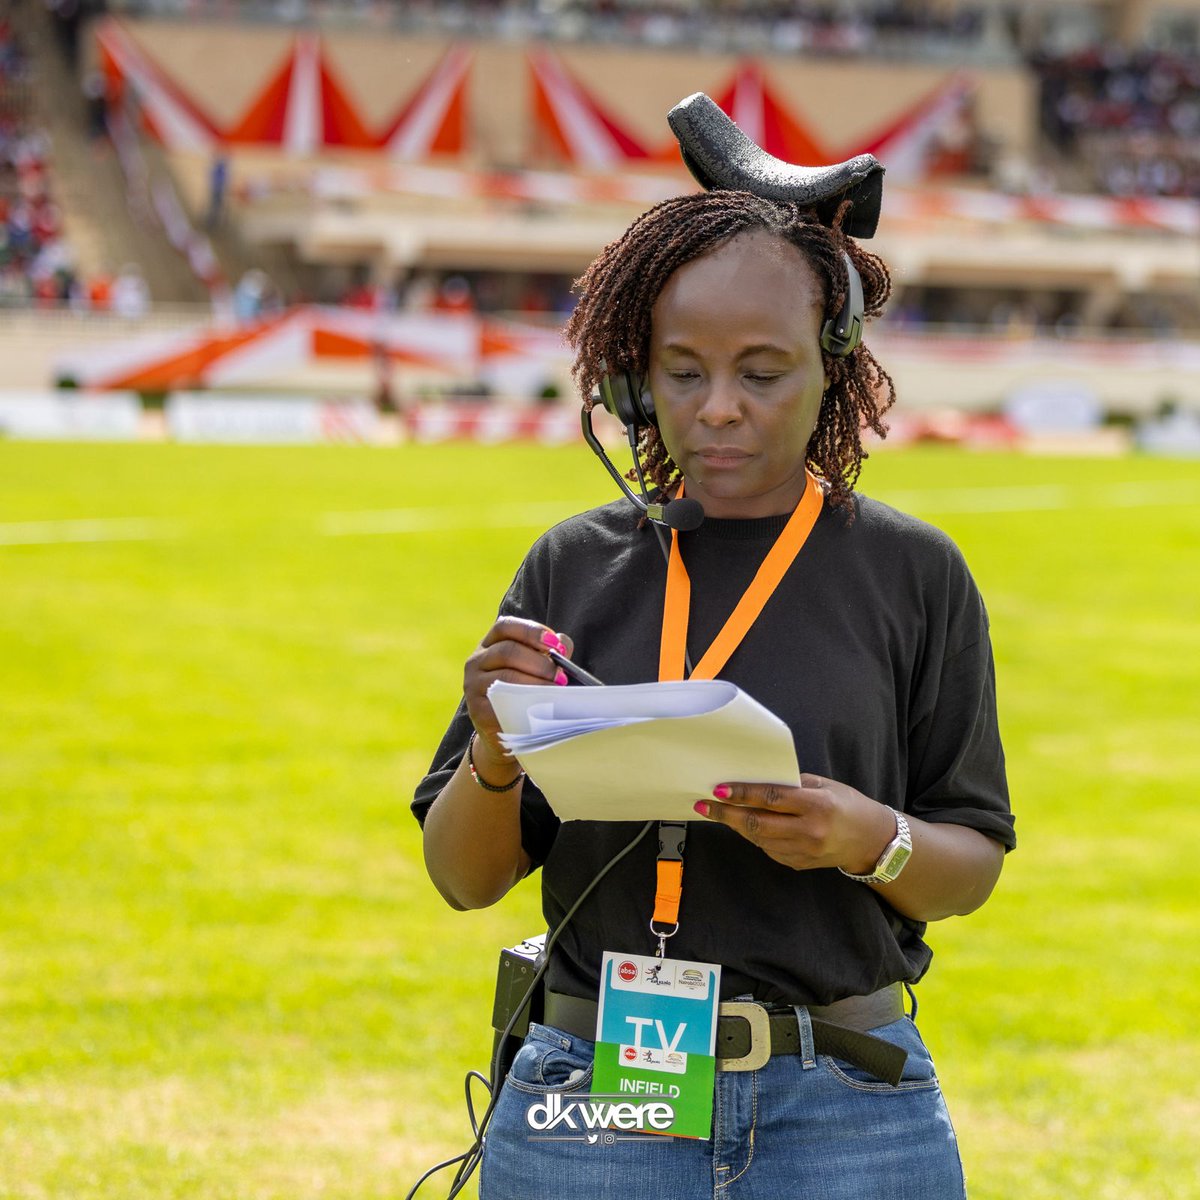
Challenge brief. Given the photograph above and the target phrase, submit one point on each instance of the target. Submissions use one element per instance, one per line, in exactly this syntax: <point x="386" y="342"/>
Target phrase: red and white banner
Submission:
<point x="434" y="120"/>
<point x="202" y="417"/>
<point x="517" y="359"/>
<point x="240" y="355"/>
<point x="1100" y="213"/>
<point x="302" y="107"/>
<point x="574" y="123"/>
<point x="171" y="116"/>
<point x="754" y="107"/>
<point x="70" y="416"/>
<point x="906" y="144"/>
<point x="492" y="423"/>
<point x="929" y="205"/>
<point x="455" y="355"/>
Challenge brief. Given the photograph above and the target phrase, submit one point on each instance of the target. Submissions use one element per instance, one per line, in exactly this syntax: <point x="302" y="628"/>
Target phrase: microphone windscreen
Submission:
<point x="683" y="514"/>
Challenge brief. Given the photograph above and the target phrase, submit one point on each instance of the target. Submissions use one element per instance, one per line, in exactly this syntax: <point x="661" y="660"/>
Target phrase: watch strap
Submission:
<point x="895" y="855"/>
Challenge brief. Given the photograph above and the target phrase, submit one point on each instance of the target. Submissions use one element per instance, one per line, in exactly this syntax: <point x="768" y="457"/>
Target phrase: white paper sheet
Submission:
<point x="641" y="752"/>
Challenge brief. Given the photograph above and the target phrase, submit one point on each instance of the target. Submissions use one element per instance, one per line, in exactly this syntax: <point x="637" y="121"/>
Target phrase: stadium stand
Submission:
<point x="36" y="264"/>
<point x="1130" y="119"/>
<point x="468" y="158"/>
<point x="965" y="31"/>
<point x="72" y="238"/>
<point x="889" y="28"/>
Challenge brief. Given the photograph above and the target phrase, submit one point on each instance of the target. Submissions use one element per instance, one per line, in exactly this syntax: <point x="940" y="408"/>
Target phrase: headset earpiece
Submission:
<point x="841" y="334"/>
<point x="628" y="398"/>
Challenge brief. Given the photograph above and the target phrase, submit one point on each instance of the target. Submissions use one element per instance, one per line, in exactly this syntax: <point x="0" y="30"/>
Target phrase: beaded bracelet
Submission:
<point x="483" y="783"/>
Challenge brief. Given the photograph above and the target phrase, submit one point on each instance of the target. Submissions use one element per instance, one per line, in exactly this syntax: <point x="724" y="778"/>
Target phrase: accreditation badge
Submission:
<point x="656" y="1036"/>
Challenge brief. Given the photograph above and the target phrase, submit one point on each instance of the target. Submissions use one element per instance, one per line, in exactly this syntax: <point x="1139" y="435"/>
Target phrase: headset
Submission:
<point x="626" y="395"/>
<point x="628" y="398"/>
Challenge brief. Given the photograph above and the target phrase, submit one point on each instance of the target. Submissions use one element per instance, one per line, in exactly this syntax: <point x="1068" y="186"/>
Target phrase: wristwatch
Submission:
<point x="895" y="854"/>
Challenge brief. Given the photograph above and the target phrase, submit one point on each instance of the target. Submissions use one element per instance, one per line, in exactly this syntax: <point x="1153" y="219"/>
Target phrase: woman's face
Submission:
<point x="736" y="373"/>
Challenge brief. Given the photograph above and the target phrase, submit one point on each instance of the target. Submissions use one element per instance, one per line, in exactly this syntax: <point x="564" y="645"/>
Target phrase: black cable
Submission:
<point x="631" y="430"/>
<point x="471" y="1103"/>
<point x="434" y="1170"/>
<point x="471" y="1157"/>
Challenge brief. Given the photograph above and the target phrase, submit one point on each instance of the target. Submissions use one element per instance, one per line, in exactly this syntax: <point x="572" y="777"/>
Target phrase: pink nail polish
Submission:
<point x="551" y="639"/>
<point x="701" y="807"/>
<point x="560" y="677"/>
<point x="722" y="791"/>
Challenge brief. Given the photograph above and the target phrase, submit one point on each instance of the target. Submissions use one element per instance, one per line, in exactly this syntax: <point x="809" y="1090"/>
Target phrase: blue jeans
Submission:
<point x="805" y="1126"/>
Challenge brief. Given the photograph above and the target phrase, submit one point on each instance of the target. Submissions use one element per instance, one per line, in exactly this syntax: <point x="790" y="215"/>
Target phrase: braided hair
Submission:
<point x="610" y="327"/>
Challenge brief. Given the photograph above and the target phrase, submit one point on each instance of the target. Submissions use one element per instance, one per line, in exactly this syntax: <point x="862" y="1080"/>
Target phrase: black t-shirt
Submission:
<point x="873" y="649"/>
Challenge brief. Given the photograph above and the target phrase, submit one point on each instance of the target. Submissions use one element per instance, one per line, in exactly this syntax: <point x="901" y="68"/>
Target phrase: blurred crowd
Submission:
<point x="1039" y="312"/>
<point x="534" y="296"/>
<point x="884" y="26"/>
<point x="545" y="298"/>
<point x="1129" y="119"/>
<point x="519" y="293"/>
<point x="35" y="262"/>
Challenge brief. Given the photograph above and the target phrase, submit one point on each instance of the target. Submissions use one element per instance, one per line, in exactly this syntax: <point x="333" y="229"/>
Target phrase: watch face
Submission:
<point x="895" y="862"/>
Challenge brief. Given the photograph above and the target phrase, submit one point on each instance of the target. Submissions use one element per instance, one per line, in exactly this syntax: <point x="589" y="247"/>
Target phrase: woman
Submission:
<point x="873" y="648"/>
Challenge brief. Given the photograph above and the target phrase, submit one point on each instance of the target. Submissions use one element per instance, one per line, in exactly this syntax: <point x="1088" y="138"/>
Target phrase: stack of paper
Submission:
<point x="642" y="752"/>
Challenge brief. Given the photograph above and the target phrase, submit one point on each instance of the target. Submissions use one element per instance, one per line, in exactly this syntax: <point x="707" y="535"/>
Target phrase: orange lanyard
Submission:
<point x="672" y="657"/>
<point x="774" y="567"/>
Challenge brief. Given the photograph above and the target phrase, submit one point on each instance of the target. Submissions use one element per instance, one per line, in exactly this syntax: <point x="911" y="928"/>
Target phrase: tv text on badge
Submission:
<point x="654" y="1047"/>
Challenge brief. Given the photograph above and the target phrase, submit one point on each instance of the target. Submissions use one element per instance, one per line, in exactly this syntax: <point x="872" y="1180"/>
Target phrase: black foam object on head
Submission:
<point x="720" y="156"/>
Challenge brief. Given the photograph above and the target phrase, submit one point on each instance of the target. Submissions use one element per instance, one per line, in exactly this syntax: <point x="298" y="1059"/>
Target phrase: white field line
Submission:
<point x="1047" y="497"/>
<point x="100" y="529"/>
<point x="1037" y="498"/>
<point x="1134" y="495"/>
<point x="538" y="514"/>
<point x="533" y="515"/>
<point x="946" y="501"/>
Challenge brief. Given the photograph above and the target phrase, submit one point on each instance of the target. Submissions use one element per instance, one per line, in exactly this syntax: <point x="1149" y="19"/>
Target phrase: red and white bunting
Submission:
<point x="301" y="106"/>
<point x="757" y="111"/>
<point x="583" y="132"/>
<point x="904" y="204"/>
<point x="303" y="127"/>
<point x="434" y="120"/>
<point x="490" y="424"/>
<point x="904" y="144"/>
<point x="225" y="356"/>
<point x="174" y="119"/>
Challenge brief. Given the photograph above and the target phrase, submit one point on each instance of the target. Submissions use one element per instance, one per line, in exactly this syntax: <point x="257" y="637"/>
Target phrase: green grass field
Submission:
<point x="223" y="973"/>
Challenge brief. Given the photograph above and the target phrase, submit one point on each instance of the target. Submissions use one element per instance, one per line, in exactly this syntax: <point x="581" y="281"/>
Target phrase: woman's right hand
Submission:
<point x="513" y="650"/>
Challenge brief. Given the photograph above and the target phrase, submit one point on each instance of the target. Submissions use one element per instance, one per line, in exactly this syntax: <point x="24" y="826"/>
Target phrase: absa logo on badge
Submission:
<point x="627" y="971"/>
<point x="630" y="1053"/>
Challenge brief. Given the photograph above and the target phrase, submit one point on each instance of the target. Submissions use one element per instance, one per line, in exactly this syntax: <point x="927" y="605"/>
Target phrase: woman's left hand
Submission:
<point x="821" y="823"/>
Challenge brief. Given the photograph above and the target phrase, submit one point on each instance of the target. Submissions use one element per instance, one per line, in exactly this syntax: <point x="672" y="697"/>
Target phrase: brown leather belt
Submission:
<point x="748" y="1033"/>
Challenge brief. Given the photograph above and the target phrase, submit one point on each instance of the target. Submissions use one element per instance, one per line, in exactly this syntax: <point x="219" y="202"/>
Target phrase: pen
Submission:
<point x="576" y="673"/>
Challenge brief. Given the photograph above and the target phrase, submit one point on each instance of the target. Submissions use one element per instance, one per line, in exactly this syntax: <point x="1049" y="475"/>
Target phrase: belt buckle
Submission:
<point x="759" y="1053"/>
